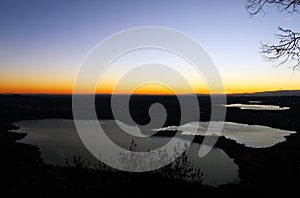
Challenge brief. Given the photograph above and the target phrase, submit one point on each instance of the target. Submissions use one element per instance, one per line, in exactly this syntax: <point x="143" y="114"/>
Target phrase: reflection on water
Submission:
<point x="250" y="135"/>
<point x="255" y="102"/>
<point x="258" y="107"/>
<point x="58" y="140"/>
<point x="217" y="167"/>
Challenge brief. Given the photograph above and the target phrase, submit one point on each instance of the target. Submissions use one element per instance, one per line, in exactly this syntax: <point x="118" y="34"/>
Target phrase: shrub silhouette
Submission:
<point x="181" y="168"/>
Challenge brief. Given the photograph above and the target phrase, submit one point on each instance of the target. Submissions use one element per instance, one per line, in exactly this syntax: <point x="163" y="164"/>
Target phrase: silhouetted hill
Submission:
<point x="271" y="93"/>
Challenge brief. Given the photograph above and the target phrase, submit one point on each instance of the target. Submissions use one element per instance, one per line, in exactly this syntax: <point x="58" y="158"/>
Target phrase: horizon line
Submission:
<point x="206" y="94"/>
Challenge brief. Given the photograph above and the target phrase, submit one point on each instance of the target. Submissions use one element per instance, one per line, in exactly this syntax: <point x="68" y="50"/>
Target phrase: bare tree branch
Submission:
<point x="257" y="6"/>
<point x="287" y="50"/>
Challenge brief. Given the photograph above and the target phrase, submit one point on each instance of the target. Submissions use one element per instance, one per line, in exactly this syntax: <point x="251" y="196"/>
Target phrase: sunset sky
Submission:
<point x="42" y="43"/>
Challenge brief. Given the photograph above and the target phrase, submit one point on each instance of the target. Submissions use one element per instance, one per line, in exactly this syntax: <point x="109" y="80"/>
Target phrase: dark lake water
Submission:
<point x="58" y="140"/>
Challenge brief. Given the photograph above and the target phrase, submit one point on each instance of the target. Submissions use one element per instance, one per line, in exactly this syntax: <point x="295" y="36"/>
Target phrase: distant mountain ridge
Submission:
<point x="271" y="93"/>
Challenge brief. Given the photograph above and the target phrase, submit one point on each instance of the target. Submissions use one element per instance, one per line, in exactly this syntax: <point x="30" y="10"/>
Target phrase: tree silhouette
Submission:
<point x="287" y="49"/>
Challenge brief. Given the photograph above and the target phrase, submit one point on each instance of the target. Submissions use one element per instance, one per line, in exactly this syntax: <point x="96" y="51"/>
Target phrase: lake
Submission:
<point x="58" y="140"/>
<point x="258" y="107"/>
<point x="255" y="136"/>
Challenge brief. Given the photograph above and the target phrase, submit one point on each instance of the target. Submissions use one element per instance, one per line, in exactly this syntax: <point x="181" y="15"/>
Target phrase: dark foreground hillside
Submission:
<point x="270" y="171"/>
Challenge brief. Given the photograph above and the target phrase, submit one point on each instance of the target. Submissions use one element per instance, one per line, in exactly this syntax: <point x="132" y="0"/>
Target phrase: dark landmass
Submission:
<point x="271" y="93"/>
<point x="267" y="171"/>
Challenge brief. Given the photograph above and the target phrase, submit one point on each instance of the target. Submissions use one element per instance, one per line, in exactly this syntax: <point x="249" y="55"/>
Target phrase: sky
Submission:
<point x="43" y="43"/>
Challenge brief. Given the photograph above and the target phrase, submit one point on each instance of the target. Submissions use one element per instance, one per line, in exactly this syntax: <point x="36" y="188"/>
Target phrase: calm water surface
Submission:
<point x="58" y="140"/>
<point x="251" y="135"/>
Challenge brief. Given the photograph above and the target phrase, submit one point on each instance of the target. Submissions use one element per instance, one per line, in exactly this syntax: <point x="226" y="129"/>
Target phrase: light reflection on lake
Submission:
<point x="250" y="135"/>
<point x="258" y="107"/>
<point x="255" y="102"/>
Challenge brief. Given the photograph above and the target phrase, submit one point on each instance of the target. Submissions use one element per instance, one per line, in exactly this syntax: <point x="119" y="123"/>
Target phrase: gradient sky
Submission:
<point x="42" y="43"/>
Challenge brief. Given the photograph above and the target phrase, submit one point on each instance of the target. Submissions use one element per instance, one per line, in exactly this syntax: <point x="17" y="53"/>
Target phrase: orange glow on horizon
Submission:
<point x="62" y="85"/>
<point x="146" y="90"/>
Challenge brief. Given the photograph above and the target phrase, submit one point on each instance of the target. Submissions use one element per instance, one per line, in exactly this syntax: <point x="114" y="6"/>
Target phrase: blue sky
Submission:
<point x="47" y="40"/>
